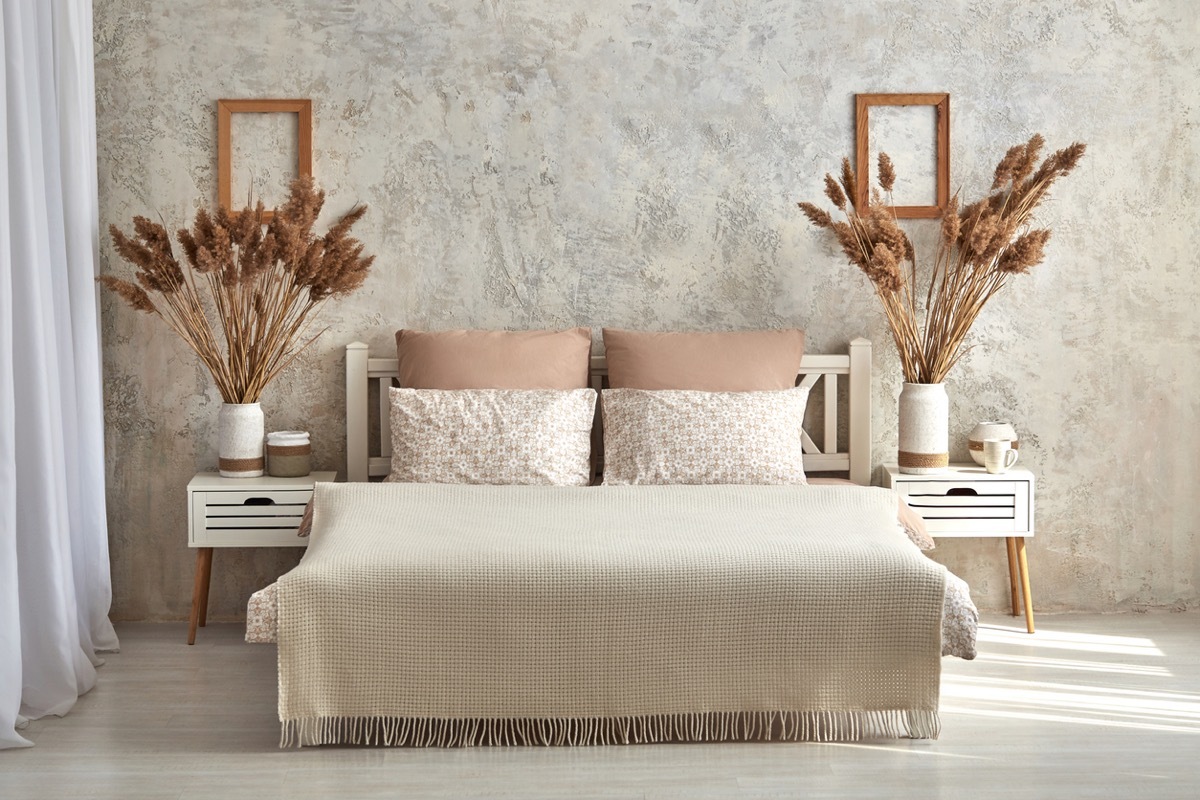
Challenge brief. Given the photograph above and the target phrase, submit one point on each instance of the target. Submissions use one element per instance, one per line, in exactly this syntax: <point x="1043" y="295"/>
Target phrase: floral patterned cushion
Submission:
<point x="675" y="436"/>
<point x="492" y="436"/>
<point x="262" y="615"/>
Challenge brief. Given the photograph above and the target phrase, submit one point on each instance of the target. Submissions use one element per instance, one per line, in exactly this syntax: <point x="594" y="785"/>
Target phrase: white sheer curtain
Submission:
<point x="54" y="569"/>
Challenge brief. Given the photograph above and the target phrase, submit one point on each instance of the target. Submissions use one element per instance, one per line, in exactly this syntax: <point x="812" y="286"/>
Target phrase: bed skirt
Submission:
<point x="713" y="726"/>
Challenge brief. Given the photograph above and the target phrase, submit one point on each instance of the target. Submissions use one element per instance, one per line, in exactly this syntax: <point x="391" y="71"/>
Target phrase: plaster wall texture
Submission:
<point x="534" y="164"/>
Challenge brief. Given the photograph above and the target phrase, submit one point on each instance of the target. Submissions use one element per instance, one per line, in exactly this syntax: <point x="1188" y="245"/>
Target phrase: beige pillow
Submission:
<point x="669" y="436"/>
<point x="495" y="436"/>
<point x="464" y="359"/>
<point x="740" y="361"/>
<point x="912" y="522"/>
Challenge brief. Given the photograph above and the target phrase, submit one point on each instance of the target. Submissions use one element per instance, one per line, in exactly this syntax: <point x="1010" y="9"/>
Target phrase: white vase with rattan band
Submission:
<point x="240" y="446"/>
<point x="924" y="429"/>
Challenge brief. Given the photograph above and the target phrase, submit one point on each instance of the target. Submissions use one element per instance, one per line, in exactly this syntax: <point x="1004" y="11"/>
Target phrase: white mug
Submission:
<point x="998" y="455"/>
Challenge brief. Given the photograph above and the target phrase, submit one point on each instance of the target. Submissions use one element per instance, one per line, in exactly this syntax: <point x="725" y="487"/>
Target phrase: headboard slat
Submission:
<point x="831" y="413"/>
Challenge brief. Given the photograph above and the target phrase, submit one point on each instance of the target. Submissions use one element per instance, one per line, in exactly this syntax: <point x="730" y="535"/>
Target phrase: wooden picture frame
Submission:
<point x="225" y="111"/>
<point x="941" y="104"/>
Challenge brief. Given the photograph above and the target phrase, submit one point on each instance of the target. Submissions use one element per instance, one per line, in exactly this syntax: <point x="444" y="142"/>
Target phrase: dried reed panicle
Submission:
<point x="1026" y="252"/>
<point x="984" y="230"/>
<point x="304" y="204"/>
<point x="188" y="243"/>
<point x="852" y="245"/>
<point x="222" y="253"/>
<point x="1008" y="165"/>
<point x="1033" y="149"/>
<point x="881" y="228"/>
<point x="951" y="223"/>
<point x="883" y="269"/>
<point x="848" y="181"/>
<point x="980" y="245"/>
<point x="816" y="215"/>
<point x="887" y="172"/>
<point x="130" y="292"/>
<point x="260" y="287"/>
<point x="834" y="192"/>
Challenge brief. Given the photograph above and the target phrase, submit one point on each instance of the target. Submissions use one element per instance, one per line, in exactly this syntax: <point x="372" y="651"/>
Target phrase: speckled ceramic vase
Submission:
<point x="240" y="446"/>
<point x="924" y="429"/>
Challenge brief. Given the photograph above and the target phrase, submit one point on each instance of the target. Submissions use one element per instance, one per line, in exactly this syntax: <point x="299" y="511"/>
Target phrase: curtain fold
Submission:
<point x="55" y="589"/>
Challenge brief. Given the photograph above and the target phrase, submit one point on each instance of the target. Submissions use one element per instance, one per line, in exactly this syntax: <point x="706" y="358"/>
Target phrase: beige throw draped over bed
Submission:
<point x="457" y="615"/>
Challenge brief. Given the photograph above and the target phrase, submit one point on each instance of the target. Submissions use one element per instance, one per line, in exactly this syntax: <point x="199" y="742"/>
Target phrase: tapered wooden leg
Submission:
<point x="1013" y="575"/>
<point x="208" y="558"/>
<point x="1027" y="594"/>
<point x="200" y="591"/>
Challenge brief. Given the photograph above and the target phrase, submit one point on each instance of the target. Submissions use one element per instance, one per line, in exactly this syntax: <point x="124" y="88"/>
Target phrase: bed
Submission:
<point x="456" y="615"/>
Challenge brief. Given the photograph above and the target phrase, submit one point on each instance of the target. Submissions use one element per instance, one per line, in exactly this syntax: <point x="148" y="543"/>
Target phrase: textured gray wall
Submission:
<point x="549" y="163"/>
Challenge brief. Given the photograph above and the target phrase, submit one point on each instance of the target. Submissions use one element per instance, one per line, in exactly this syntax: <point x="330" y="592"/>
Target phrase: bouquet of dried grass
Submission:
<point x="981" y="246"/>
<point x="264" y="286"/>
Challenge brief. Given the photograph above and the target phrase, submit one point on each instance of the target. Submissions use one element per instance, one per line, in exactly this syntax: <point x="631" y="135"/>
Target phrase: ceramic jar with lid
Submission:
<point x="289" y="454"/>
<point x="990" y="429"/>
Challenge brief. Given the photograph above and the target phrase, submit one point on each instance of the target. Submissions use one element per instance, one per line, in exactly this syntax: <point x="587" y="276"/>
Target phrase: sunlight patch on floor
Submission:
<point x="1072" y="719"/>
<point x="1103" y="680"/>
<point x="1041" y="662"/>
<point x="1083" y="642"/>
<point x="913" y="746"/>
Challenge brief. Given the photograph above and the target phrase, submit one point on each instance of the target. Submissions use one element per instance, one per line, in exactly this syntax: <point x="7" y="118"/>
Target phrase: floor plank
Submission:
<point x="1090" y="706"/>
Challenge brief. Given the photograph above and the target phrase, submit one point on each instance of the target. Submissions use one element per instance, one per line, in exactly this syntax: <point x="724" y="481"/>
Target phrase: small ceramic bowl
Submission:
<point x="989" y="430"/>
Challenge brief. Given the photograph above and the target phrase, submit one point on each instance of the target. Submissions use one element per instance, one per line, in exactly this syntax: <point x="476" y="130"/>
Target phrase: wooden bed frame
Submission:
<point x="855" y="364"/>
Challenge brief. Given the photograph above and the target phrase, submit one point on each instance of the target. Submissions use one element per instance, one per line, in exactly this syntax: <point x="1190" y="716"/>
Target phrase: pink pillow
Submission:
<point x="739" y="361"/>
<point x="464" y="359"/>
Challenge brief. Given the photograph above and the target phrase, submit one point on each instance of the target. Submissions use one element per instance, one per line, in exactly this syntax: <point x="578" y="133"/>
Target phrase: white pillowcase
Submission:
<point x="675" y="436"/>
<point x="493" y="436"/>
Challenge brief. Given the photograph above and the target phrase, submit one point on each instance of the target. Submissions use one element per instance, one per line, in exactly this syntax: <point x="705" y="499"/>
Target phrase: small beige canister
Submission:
<point x="289" y="454"/>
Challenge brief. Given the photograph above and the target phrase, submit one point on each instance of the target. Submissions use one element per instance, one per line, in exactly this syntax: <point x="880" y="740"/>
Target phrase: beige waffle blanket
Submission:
<point x="457" y="615"/>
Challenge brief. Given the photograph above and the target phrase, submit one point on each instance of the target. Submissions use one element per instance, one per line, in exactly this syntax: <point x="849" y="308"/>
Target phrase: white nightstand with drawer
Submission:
<point x="241" y="512"/>
<point x="966" y="501"/>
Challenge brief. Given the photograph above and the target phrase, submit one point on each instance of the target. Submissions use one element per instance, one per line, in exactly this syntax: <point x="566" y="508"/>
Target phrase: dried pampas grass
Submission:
<point x="980" y="246"/>
<point x="247" y="297"/>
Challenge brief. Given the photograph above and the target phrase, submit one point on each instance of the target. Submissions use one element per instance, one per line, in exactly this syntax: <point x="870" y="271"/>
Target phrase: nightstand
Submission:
<point x="967" y="501"/>
<point x="241" y="512"/>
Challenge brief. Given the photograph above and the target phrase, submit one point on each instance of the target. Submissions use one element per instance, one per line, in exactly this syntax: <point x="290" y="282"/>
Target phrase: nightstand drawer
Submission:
<point x="258" y="500"/>
<point x="249" y="537"/>
<point x="265" y="518"/>
<point x="970" y="506"/>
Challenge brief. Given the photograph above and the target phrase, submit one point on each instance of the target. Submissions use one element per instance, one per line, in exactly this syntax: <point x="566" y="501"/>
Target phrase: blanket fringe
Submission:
<point x="711" y="726"/>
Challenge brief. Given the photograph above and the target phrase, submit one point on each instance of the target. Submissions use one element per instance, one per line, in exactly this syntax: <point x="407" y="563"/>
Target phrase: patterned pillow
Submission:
<point x="677" y="436"/>
<point x="496" y="436"/>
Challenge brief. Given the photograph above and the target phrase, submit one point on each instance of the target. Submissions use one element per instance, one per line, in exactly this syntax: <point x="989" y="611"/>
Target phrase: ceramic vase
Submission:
<point x="924" y="429"/>
<point x="990" y="429"/>
<point x="240" y="446"/>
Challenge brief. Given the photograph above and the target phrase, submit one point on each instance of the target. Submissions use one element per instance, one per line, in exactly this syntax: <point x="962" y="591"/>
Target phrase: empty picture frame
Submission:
<point x="940" y="149"/>
<point x="225" y="111"/>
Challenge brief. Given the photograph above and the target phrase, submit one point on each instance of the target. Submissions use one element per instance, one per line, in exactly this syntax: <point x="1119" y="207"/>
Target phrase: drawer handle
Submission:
<point x="962" y="491"/>
<point x="259" y="501"/>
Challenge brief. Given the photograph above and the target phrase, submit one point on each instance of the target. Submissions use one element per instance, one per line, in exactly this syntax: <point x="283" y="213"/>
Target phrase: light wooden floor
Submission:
<point x="1090" y="706"/>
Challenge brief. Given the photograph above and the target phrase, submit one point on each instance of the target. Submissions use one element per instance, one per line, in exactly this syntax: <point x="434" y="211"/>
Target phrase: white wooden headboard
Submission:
<point x="361" y="369"/>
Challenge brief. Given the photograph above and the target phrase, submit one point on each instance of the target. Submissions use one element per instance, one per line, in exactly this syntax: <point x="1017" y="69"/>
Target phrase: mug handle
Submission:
<point x="1010" y="458"/>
